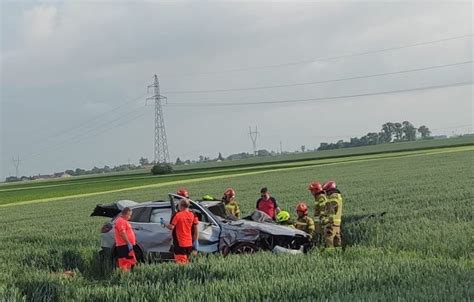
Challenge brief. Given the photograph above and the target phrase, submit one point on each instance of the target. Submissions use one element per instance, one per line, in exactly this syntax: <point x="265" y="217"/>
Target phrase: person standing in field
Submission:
<point x="231" y="206"/>
<point x="124" y="241"/>
<point x="267" y="204"/>
<point x="332" y="216"/>
<point x="184" y="225"/>
<point x="320" y="200"/>
<point x="304" y="222"/>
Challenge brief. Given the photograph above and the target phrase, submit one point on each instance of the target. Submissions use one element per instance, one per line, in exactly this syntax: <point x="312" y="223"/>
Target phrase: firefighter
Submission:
<point x="320" y="200"/>
<point x="304" y="222"/>
<point x="284" y="218"/>
<point x="183" y="192"/>
<point x="231" y="206"/>
<point x="125" y="241"/>
<point x="333" y="216"/>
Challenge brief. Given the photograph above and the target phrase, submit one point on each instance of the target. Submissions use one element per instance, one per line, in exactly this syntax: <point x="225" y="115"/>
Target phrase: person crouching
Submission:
<point x="185" y="232"/>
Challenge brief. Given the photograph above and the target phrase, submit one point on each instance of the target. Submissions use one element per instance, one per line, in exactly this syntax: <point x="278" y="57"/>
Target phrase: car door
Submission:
<point x="209" y="231"/>
<point x="150" y="234"/>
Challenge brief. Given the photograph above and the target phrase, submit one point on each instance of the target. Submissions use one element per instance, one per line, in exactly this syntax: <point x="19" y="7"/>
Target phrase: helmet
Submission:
<point x="315" y="187"/>
<point x="329" y="185"/>
<point x="229" y="192"/>
<point x="282" y="216"/>
<point x="183" y="192"/>
<point x="302" y="207"/>
<point x="208" y="197"/>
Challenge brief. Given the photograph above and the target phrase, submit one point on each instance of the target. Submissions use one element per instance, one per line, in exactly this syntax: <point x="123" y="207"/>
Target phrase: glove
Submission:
<point x="130" y="247"/>
<point x="195" y="245"/>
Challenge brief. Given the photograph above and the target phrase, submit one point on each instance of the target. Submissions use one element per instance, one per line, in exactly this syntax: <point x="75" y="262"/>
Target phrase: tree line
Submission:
<point x="389" y="133"/>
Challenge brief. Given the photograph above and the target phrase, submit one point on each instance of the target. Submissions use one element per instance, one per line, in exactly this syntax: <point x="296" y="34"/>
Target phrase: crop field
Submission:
<point x="82" y="186"/>
<point x="422" y="249"/>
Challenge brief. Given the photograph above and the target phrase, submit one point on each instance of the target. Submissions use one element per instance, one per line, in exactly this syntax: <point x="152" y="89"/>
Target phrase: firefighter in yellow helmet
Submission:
<point x="304" y="222"/>
<point x="333" y="216"/>
<point x="320" y="200"/>
<point x="284" y="218"/>
<point x="231" y="206"/>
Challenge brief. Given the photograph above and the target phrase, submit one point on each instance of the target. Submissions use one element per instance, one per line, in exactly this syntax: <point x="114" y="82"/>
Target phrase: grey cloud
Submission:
<point x="104" y="53"/>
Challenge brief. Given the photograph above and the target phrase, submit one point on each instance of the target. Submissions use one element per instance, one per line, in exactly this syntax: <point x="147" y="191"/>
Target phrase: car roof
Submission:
<point x="155" y="203"/>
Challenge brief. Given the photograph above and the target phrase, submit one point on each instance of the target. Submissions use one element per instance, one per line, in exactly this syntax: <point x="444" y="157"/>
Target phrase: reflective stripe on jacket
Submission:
<point x="232" y="208"/>
<point x="305" y="224"/>
<point x="333" y="209"/>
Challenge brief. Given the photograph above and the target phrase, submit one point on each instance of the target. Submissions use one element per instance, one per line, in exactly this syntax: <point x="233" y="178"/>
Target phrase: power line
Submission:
<point x="90" y="121"/>
<point x="81" y="139"/>
<point x="319" y="99"/>
<point x="85" y="135"/>
<point x="319" y="82"/>
<point x="322" y="59"/>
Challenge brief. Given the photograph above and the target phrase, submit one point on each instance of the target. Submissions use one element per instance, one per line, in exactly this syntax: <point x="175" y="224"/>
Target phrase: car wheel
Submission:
<point x="244" y="248"/>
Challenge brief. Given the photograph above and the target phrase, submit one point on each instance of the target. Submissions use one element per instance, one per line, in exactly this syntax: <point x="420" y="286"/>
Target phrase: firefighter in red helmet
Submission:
<point x="231" y="206"/>
<point x="333" y="216"/>
<point x="320" y="200"/>
<point x="304" y="222"/>
<point x="183" y="192"/>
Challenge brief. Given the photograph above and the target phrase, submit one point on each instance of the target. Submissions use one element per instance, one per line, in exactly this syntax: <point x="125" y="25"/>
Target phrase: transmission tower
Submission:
<point x="16" y="163"/>
<point x="253" y="137"/>
<point x="161" y="154"/>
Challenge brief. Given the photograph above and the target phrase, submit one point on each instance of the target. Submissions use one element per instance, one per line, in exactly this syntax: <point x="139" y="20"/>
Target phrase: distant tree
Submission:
<point x="323" y="146"/>
<point x="220" y="157"/>
<point x="160" y="169"/>
<point x="303" y="148"/>
<point x="187" y="162"/>
<point x="424" y="131"/>
<point x="387" y="130"/>
<point x="201" y="158"/>
<point x="106" y="169"/>
<point x="372" y="138"/>
<point x="354" y="142"/>
<point x="178" y="161"/>
<point x="79" y="171"/>
<point x="143" y="161"/>
<point x="11" y="179"/>
<point x="381" y="138"/>
<point x="70" y="172"/>
<point x="238" y="156"/>
<point x="398" y="131"/>
<point x="409" y="131"/>
<point x="263" y="152"/>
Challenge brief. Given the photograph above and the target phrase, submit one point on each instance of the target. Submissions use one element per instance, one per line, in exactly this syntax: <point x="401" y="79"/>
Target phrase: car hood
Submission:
<point x="269" y="228"/>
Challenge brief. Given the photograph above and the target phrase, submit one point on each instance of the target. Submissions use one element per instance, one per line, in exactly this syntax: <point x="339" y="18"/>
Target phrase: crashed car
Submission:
<point x="217" y="231"/>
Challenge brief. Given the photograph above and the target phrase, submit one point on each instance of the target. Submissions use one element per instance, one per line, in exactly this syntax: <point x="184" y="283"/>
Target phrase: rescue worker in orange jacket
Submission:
<point x="332" y="216"/>
<point x="320" y="200"/>
<point x="125" y="241"/>
<point x="231" y="205"/>
<point x="184" y="225"/>
<point x="304" y="222"/>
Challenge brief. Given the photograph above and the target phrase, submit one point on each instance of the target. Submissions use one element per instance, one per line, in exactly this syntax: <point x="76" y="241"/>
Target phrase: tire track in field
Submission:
<point x="180" y="182"/>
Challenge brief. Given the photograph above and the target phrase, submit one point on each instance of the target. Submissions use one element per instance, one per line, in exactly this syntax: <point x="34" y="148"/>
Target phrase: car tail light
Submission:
<point x="106" y="228"/>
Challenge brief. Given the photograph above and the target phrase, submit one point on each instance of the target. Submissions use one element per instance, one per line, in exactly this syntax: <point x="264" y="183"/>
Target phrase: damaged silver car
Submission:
<point x="217" y="231"/>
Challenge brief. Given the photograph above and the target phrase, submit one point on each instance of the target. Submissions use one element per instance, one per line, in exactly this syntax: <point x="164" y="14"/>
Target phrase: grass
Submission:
<point x="46" y="191"/>
<point x="421" y="250"/>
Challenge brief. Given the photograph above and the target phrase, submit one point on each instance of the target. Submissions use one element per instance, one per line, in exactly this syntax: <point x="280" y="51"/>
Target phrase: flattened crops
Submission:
<point x="422" y="248"/>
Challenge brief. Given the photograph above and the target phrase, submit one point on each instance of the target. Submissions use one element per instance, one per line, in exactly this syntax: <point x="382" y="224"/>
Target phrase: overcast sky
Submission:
<point x="74" y="75"/>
